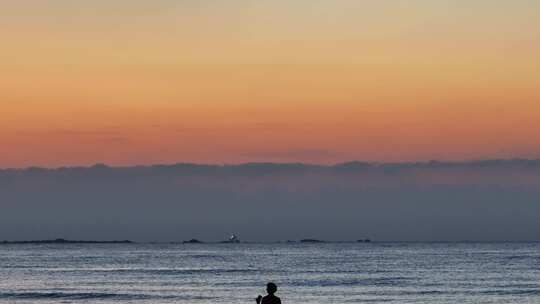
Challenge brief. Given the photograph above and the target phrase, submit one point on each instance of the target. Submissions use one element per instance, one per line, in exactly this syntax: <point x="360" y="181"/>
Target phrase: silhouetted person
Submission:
<point x="271" y="288"/>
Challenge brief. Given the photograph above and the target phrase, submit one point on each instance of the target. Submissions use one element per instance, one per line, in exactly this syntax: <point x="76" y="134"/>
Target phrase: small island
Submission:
<point x="311" y="241"/>
<point x="192" y="241"/>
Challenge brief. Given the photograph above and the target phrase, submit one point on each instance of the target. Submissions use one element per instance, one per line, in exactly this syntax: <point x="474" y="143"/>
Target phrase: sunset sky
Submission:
<point x="129" y="82"/>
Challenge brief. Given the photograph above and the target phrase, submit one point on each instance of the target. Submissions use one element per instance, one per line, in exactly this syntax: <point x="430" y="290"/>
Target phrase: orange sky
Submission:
<point x="138" y="82"/>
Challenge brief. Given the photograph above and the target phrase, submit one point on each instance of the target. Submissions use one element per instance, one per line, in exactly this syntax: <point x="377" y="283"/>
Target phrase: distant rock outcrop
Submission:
<point x="311" y="241"/>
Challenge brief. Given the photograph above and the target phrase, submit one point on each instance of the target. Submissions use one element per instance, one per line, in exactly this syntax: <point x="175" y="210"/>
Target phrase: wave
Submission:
<point x="156" y="271"/>
<point x="521" y="257"/>
<point x="514" y="292"/>
<point x="390" y="281"/>
<point x="93" y="296"/>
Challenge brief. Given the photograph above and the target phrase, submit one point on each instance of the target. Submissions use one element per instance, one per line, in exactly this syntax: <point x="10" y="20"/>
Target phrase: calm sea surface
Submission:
<point x="305" y="273"/>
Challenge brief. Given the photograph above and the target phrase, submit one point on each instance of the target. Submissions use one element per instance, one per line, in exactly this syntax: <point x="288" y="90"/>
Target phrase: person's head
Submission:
<point x="271" y="288"/>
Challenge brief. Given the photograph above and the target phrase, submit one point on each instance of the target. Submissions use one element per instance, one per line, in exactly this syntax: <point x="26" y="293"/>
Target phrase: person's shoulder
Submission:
<point x="271" y="299"/>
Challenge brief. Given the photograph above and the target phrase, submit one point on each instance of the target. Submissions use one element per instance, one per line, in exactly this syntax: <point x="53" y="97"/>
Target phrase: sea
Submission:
<point x="305" y="273"/>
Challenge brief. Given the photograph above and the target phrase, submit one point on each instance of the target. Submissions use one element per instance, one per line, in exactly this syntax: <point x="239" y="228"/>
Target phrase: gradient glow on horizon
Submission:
<point x="322" y="81"/>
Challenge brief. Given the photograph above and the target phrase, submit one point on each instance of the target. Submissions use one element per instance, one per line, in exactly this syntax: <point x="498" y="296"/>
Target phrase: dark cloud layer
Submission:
<point x="482" y="200"/>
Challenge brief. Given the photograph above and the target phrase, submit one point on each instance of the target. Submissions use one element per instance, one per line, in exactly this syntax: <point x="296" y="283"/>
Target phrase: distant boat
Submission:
<point x="232" y="240"/>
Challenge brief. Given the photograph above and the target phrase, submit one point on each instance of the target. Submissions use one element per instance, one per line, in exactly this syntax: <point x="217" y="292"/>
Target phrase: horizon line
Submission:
<point x="247" y="242"/>
<point x="239" y="164"/>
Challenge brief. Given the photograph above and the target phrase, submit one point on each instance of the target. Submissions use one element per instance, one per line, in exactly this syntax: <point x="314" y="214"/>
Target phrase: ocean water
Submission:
<point x="237" y="273"/>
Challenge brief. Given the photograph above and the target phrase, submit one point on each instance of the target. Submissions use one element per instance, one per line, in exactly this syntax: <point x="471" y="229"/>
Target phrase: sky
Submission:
<point x="320" y="81"/>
